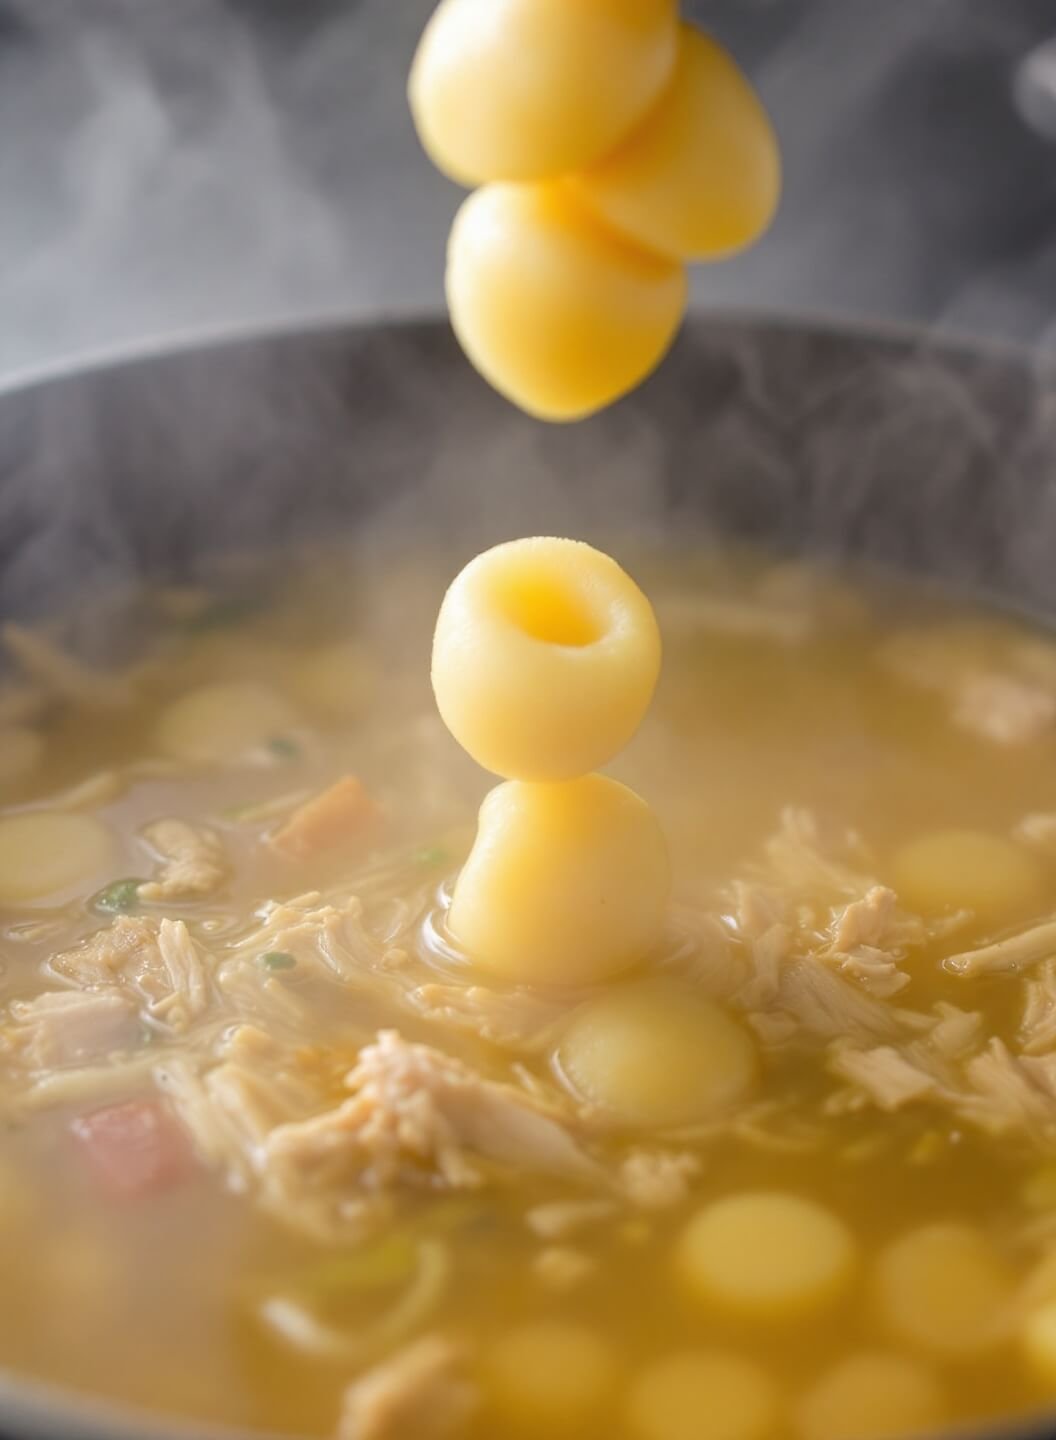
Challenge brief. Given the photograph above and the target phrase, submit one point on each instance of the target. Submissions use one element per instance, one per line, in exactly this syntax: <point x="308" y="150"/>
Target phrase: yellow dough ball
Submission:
<point x="545" y="658"/>
<point x="669" y="1399"/>
<point x="525" y="89"/>
<point x="551" y="1373"/>
<point x="558" y="312"/>
<point x="45" y="852"/>
<point x="949" y="870"/>
<point x="767" y="1254"/>
<point x="701" y="176"/>
<point x="565" y="885"/>
<point x="224" y="722"/>
<point x="942" y="1289"/>
<point x="871" y="1396"/>
<point x="658" y="1054"/>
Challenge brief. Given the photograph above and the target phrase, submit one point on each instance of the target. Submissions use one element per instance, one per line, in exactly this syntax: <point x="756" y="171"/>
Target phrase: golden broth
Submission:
<point x="882" y="709"/>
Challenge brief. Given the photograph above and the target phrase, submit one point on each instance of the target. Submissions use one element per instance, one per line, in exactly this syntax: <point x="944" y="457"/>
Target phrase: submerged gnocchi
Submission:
<point x="719" y="1084"/>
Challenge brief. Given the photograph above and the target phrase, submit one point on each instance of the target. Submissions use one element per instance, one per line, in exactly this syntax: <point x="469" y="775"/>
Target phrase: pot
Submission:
<point x="935" y="459"/>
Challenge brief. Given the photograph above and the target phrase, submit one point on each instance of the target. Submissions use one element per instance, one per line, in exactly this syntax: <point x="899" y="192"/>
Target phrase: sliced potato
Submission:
<point x="670" y="1399"/>
<point x="942" y="1289"/>
<point x="224" y="722"/>
<point x="337" y="681"/>
<point x="950" y="870"/>
<point x="870" y="1396"/>
<point x="21" y="750"/>
<point x="45" y="852"/>
<point x="552" y="1373"/>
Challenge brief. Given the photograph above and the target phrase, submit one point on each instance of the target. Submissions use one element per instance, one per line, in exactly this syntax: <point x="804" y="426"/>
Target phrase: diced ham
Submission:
<point x="135" y="1149"/>
<point x="343" y="815"/>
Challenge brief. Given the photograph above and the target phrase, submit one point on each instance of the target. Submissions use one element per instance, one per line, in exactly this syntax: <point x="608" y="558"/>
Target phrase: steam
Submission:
<point x="173" y="169"/>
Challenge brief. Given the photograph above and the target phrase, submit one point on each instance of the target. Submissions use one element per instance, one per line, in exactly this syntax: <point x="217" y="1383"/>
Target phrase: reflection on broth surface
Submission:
<point x="278" y="1156"/>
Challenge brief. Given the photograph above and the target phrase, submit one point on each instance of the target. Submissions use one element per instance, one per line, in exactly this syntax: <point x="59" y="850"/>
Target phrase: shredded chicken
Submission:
<point x="1003" y="708"/>
<point x="66" y="1027"/>
<point x="562" y="1267"/>
<point x="560" y="1219"/>
<point x="1016" y="953"/>
<point x="658" y="1179"/>
<point x="1037" y="1026"/>
<point x="422" y="1392"/>
<point x="104" y="957"/>
<point x="418" y="1115"/>
<point x="516" y="1019"/>
<point x="193" y="862"/>
<point x="871" y="921"/>
<point x="884" y="1075"/>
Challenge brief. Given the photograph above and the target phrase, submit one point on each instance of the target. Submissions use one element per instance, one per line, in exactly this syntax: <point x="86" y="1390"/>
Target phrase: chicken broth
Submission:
<point x="279" y="1156"/>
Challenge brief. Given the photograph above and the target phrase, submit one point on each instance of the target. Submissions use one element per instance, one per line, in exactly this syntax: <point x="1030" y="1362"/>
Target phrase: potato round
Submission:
<point x="526" y="89"/>
<point x="870" y="1396"/>
<point x="766" y="1254"/>
<point x="45" y="852"/>
<point x="565" y="885"/>
<point x="941" y="1288"/>
<point x="669" y="1398"/>
<point x="949" y="870"/>
<point x="552" y="1372"/>
<point x="336" y="680"/>
<point x="655" y="1053"/>
<point x="545" y="658"/>
<point x="21" y="750"/>
<point x="558" y="312"/>
<point x="224" y="722"/>
<point x="701" y="176"/>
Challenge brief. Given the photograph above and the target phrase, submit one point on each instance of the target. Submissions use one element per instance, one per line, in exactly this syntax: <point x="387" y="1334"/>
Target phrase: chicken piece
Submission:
<point x="417" y="1110"/>
<point x="188" y="992"/>
<point x="870" y="921"/>
<point x="558" y="1219"/>
<point x="423" y="1391"/>
<point x="658" y="1179"/>
<point x="193" y="862"/>
<point x="517" y="1019"/>
<point x="1003" y="708"/>
<point x="1037" y="1026"/>
<point x="67" y="1027"/>
<point x="105" y="957"/>
<point x="562" y="1267"/>
<point x="343" y="815"/>
<point x="1015" y="953"/>
<point x="888" y="1077"/>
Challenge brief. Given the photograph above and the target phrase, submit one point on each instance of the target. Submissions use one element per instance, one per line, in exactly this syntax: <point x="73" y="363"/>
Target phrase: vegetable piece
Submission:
<point x="283" y="748"/>
<point x="869" y="1396"/>
<point x="224" y="722"/>
<point x="670" y="1398"/>
<point x="523" y="89"/>
<point x="343" y="815"/>
<point x="559" y="313"/>
<point x="337" y="681"/>
<point x="120" y="898"/>
<point x="278" y="960"/>
<point x="768" y="1254"/>
<point x="46" y="852"/>
<point x="658" y="1054"/>
<point x="551" y="1373"/>
<point x="942" y="1289"/>
<point x="700" y="177"/>
<point x="432" y="855"/>
<point x="565" y="884"/>
<point x="950" y="870"/>
<point x="134" y="1149"/>
<point x="545" y="658"/>
<point x="21" y="750"/>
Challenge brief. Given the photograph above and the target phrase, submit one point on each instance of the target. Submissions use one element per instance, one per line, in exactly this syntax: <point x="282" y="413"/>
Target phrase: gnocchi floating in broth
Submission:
<point x="343" y="1101"/>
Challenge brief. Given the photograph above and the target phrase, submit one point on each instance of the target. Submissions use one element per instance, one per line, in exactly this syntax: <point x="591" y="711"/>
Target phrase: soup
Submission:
<point x="278" y="1155"/>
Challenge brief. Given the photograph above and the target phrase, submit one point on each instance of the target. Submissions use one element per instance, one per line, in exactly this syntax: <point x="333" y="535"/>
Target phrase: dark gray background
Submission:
<point x="174" y="167"/>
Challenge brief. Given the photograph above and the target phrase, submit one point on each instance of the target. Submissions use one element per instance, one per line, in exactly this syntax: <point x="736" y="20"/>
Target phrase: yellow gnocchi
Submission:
<point x="668" y="1399"/>
<point x="655" y="1053"/>
<point x="566" y="884"/>
<point x="870" y="1396"/>
<point x="545" y="658"/>
<point x="553" y="1372"/>
<point x="560" y="313"/>
<point x="526" y="89"/>
<point x="701" y="176"/>
<point x="767" y="1254"/>
<point x="949" y="870"/>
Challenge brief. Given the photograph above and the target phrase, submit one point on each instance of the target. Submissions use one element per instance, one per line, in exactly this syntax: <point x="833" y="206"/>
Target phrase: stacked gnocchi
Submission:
<point x="545" y="658"/>
<point x="611" y="145"/>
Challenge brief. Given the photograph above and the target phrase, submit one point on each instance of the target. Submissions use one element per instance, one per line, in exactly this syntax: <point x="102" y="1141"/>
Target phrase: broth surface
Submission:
<point x="203" y="1215"/>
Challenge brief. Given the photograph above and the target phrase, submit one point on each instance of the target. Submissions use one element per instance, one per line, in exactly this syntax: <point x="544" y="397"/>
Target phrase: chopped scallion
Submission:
<point x="284" y="748"/>
<point x="119" y="898"/>
<point x="278" y="960"/>
<point x="431" y="855"/>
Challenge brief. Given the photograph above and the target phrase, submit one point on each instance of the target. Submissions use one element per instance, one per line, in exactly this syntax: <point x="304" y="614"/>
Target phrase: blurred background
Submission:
<point x="174" y="168"/>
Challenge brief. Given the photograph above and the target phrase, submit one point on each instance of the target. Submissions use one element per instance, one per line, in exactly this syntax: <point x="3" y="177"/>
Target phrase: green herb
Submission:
<point x="278" y="960"/>
<point x="431" y="855"/>
<point x="284" y="747"/>
<point x="119" y="898"/>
